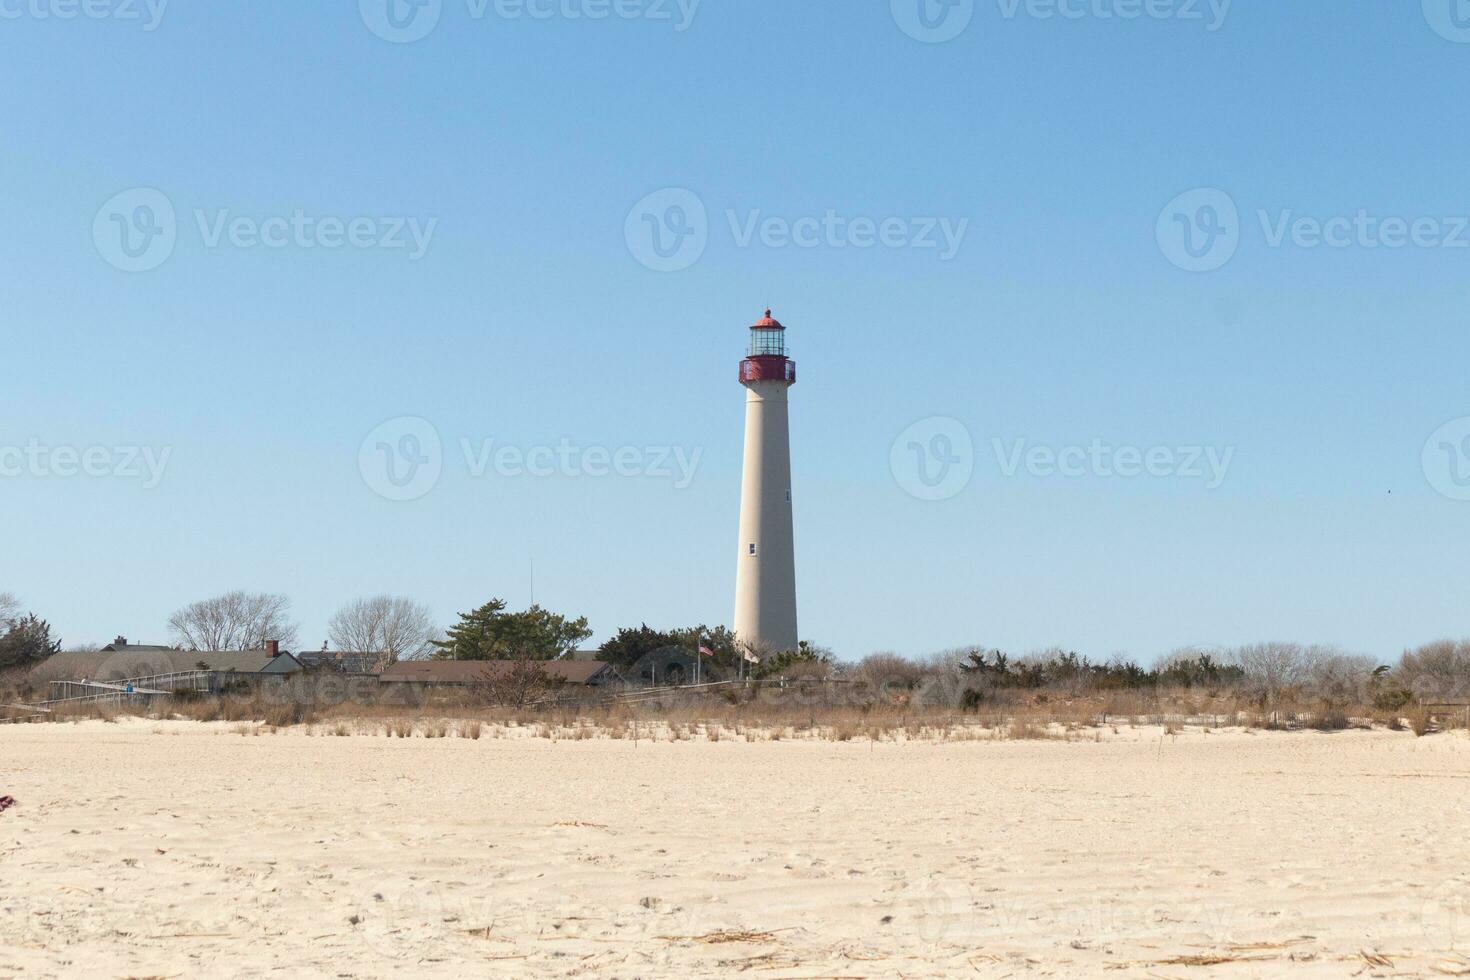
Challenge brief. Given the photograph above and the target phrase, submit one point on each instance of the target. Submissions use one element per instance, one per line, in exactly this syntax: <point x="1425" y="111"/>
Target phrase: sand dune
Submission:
<point x="165" y="849"/>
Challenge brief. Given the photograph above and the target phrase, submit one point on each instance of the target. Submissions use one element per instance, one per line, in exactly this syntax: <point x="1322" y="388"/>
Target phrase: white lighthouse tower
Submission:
<point x="765" y="578"/>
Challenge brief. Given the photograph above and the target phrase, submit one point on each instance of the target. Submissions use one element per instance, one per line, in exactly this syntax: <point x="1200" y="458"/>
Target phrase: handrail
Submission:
<point x="151" y="685"/>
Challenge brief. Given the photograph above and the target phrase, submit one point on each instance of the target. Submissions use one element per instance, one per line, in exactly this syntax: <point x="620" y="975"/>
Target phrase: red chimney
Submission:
<point x="273" y="647"/>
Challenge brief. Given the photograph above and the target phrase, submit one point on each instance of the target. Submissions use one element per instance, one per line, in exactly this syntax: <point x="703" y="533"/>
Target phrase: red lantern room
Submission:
<point x="767" y="360"/>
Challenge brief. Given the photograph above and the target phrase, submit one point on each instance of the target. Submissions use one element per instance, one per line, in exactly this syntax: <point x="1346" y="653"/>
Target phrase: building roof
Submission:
<point x="104" y="665"/>
<point x="484" y="671"/>
<point x="767" y="322"/>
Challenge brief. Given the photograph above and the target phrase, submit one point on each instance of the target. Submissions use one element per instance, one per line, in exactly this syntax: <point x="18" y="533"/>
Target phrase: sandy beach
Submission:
<point x="144" y="848"/>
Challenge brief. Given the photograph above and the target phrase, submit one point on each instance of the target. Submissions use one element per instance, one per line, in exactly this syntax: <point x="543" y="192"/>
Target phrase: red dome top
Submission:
<point x="767" y="322"/>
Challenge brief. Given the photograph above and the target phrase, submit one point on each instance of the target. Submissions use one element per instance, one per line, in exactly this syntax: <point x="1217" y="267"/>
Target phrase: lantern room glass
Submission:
<point x="767" y="342"/>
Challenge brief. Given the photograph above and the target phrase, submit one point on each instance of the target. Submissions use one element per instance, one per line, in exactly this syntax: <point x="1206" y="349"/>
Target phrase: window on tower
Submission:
<point x="752" y="549"/>
<point x="767" y="343"/>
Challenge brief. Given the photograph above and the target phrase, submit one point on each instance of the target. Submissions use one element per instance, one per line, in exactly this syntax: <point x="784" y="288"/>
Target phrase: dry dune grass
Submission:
<point x="948" y="697"/>
<point x="807" y="712"/>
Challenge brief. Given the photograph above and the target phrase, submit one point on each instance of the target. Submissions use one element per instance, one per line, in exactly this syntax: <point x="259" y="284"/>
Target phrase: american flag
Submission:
<point x="706" y="651"/>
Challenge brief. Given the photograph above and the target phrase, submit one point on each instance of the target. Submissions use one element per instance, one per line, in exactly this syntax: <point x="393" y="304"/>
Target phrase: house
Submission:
<point x="466" y="673"/>
<point x="131" y="662"/>
<point x="345" y="661"/>
<point x="121" y="645"/>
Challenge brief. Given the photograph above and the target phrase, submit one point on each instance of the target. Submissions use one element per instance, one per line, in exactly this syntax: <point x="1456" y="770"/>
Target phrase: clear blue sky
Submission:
<point x="529" y="319"/>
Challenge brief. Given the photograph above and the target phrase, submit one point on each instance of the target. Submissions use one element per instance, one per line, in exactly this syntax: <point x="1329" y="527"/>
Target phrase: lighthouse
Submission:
<point x="765" y="576"/>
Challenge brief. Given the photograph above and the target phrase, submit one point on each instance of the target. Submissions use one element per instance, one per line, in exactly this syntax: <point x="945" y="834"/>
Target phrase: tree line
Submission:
<point x="398" y="628"/>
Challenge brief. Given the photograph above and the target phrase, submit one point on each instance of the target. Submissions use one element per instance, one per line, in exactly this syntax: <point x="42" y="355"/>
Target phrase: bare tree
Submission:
<point x="234" y="621"/>
<point x="889" y="674"/>
<point x="1340" y="678"/>
<point x="1272" y="669"/>
<point x="9" y="607"/>
<point x="1438" y="671"/>
<point x="516" y="681"/>
<point x="394" y="626"/>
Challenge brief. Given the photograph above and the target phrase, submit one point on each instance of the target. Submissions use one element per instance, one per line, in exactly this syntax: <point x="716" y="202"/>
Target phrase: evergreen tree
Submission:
<point x="27" y="642"/>
<point x="632" y="645"/>
<point x="491" y="633"/>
